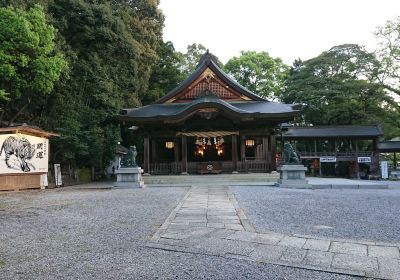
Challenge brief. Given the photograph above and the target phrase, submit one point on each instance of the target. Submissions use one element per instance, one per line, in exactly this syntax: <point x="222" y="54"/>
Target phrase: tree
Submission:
<point x="339" y="87"/>
<point x="30" y="65"/>
<point x="259" y="72"/>
<point x="191" y="58"/>
<point x="166" y="74"/>
<point x="111" y="46"/>
<point x="389" y="55"/>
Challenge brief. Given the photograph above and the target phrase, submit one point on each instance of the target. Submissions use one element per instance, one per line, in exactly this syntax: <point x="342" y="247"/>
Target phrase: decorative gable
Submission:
<point x="208" y="81"/>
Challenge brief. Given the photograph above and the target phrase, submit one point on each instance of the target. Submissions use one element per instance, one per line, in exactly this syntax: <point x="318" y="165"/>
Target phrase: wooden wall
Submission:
<point x="20" y="181"/>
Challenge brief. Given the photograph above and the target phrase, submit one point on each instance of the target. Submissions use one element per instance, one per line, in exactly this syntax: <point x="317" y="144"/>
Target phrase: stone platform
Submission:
<point x="293" y="176"/>
<point x="129" y="177"/>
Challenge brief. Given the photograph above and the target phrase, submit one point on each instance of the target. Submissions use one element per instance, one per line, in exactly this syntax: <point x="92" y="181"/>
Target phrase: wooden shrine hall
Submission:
<point x="209" y="124"/>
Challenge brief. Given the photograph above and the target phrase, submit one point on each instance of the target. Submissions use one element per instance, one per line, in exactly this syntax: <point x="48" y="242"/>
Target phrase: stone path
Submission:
<point x="208" y="220"/>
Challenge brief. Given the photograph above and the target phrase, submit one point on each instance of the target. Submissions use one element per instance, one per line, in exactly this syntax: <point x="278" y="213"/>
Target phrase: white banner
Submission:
<point x="364" y="159"/>
<point x="384" y="169"/>
<point x="327" y="159"/>
<point x="22" y="153"/>
<point x="57" y="174"/>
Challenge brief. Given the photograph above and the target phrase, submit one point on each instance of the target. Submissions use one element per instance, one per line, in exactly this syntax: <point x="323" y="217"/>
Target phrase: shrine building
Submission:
<point x="209" y="124"/>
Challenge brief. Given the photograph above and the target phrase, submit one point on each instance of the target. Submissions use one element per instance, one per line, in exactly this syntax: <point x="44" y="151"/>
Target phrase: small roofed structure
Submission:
<point x="24" y="157"/>
<point x="392" y="146"/>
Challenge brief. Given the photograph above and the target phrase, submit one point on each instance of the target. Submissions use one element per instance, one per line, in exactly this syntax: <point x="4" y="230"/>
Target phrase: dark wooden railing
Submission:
<point x="193" y="167"/>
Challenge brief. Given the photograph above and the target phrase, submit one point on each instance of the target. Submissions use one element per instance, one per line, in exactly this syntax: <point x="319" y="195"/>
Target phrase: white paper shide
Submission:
<point x="22" y="153"/>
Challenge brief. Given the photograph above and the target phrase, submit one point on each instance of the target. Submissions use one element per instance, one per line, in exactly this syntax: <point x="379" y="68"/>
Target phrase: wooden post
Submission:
<point x="176" y="155"/>
<point x="273" y="152"/>
<point x="266" y="153"/>
<point x="146" y="155"/>
<point x="243" y="148"/>
<point x="184" y="155"/>
<point x="357" y="164"/>
<point x="234" y="154"/>
<point x="394" y="160"/>
<point x="153" y="152"/>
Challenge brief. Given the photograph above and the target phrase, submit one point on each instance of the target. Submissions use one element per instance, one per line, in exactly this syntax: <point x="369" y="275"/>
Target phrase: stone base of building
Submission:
<point x="293" y="176"/>
<point x="129" y="177"/>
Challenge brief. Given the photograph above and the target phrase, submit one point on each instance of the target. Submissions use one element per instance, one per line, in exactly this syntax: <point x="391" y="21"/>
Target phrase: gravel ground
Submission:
<point x="101" y="234"/>
<point x="351" y="214"/>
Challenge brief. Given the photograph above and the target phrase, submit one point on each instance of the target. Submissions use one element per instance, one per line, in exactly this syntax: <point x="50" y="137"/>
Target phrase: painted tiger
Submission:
<point x="21" y="148"/>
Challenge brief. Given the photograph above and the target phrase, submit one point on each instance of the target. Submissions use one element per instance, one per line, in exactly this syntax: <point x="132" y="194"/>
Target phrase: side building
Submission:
<point x="336" y="151"/>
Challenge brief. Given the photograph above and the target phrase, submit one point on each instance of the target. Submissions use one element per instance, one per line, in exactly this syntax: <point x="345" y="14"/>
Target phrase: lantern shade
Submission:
<point x="169" y="144"/>
<point x="249" y="142"/>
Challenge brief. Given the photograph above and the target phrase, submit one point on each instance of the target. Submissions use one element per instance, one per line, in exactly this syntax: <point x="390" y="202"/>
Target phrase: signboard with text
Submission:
<point x="327" y="159"/>
<point x="364" y="159"/>
<point x="22" y="153"/>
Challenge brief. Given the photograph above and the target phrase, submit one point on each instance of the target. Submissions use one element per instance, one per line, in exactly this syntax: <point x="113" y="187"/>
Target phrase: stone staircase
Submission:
<point x="261" y="179"/>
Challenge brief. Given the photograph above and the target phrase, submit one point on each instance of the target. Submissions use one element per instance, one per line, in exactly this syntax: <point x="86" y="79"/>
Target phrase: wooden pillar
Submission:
<point x="176" y="156"/>
<point x="357" y="164"/>
<point x="273" y="152"/>
<point x="242" y="148"/>
<point x="266" y="153"/>
<point x="153" y="152"/>
<point x="234" y="154"/>
<point x="146" y="155"/>
<point x="394" y="160"/>
<point x="184" y="155"/>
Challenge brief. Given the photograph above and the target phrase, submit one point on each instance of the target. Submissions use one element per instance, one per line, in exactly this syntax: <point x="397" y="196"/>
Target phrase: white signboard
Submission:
<point x="57" y="174"/>
<point x="22" y="153"/>
<point x="327" y="159"/>
<point x="384" y="169"/>
<point x="364" y="159"/>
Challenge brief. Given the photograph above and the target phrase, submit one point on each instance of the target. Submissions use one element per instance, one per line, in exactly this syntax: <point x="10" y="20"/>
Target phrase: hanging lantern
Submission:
<point x="249" y="142"/>
<point x="209" y="142"/>
<point x="169" y="144"/>
<point x="198" y="142"/>
<point x="221" y="140"/>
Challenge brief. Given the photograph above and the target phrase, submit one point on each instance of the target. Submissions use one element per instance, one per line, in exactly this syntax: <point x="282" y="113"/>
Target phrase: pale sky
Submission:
<point x="284" y="28"/>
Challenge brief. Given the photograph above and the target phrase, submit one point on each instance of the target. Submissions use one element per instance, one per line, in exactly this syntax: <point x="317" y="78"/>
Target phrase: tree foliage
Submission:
<point x="340" y="87"/>
<point x="29" y="63"/>
<point x="191" y="58"/>
<point x="259" y="72"/>
<point x="389" y="55"/>
<point x="112" y="47"/>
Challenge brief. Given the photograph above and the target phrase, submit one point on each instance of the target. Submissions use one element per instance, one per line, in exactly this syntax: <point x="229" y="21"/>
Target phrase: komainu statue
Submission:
<point x="289" y="155"/>
<point x="129" y="160"/>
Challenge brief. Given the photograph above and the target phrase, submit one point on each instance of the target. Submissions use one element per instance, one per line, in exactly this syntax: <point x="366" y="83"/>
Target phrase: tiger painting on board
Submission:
<point x="21" y="148"/>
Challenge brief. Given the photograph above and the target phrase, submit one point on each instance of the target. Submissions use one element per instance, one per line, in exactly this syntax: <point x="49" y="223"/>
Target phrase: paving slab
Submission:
<point x="317" y="244"/>
<point x="293" y="255"/>
<point x="389" y="268"/>
<point x="348" y="248"/>
<point x="266" y="253"/>
<point x="368" y="265"/>
<point x="318" y="258"/>
<point x="384" y="251"/>
<point x="291" y="241"/>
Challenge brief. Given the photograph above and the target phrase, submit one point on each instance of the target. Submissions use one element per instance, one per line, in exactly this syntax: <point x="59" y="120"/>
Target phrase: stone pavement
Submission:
<point x="209" y="221"/>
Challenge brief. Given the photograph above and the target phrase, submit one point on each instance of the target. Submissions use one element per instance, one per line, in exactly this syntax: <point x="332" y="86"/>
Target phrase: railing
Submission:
<point x="333" y="154"/>
<point x="227" y="167"/>
<point x="164" y="168"/>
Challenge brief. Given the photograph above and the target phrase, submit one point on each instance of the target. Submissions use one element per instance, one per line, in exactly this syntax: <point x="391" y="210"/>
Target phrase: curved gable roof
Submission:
<point x="207" y="62"/>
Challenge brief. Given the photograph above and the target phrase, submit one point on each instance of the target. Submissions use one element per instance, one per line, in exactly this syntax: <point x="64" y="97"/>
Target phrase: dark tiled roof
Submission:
<point x="205" y="62"/>
<point x="389" y="146"/>
<point x="334" y="131"/>
<point x="254" y="109"/>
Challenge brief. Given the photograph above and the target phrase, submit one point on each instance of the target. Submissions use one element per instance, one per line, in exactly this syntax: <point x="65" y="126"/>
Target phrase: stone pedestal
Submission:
<point x="129" y="177"/>
<point x="293" y="176"/>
